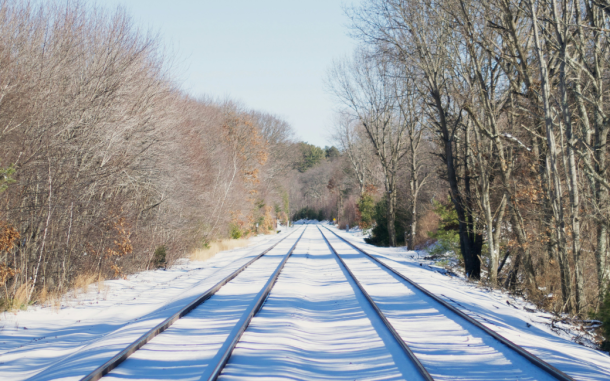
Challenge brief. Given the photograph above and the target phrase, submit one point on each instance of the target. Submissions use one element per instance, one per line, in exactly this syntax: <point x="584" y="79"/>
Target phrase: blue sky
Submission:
<point x="271" y="55"/>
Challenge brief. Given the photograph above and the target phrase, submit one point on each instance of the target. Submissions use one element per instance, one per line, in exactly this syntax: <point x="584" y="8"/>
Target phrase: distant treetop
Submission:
<point x="310" y="156"/>
<point x="332" y="153"/>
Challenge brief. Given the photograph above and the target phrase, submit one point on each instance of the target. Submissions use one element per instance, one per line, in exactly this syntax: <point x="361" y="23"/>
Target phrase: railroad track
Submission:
<point x="124" y="354"/>
<point x="544" y="367"/>
<point x="373" y="278"/>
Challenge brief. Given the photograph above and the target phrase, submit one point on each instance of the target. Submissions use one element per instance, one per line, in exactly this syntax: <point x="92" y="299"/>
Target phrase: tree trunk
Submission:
<point x="603" y="202"/>
<point x="517" y="224"/>
<point x="562" y="42"/>
<point x="413" y="223"/>
<point x="414" y="185"/>
<point x="470" y="243"/>
<point x="552" y="170"/>
<point x="391" y="215"/>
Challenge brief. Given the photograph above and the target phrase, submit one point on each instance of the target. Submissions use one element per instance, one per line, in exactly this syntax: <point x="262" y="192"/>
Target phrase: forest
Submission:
<point x="482" y="126"/>
<point x="107" y="166"/>
<point x="477" y="127"/>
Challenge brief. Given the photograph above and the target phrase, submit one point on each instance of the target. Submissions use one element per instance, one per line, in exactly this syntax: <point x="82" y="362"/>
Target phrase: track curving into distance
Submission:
<point x="546" y="369"/>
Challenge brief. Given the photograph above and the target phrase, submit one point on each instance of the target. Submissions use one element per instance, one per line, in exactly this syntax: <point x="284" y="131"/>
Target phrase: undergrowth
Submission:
<point x="213" y="248"/>
<point x="603" y="315"/>
<point x="44" y="297"/>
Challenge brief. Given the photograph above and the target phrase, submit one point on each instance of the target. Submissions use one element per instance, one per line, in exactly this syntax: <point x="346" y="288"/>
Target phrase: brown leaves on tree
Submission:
<point x="8" y="236"/>
<point x="122" y="244"/>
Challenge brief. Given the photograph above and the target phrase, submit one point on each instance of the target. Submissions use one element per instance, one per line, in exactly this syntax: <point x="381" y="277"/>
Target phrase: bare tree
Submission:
<point x="111" y="160"/>
<point x="416" y="34"/>
<point x="365" y="85"/>
<point x="351" y="138"/>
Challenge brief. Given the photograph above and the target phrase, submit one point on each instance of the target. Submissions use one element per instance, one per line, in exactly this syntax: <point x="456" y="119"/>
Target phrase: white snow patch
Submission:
<point x="33" y="340"/>
<point x="513" y="318"/>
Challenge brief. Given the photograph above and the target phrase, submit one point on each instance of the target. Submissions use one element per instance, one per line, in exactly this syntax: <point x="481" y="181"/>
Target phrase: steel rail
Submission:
<point x="422" y="370"/>
<point x="529" y="356"/>
<point x="145" y="338"/>
<point x="263" y="294"/>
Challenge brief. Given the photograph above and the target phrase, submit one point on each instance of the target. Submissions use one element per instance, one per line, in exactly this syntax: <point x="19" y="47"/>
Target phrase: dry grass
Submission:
<point x="21" y="296"/>
<point x="82" y="282"/>
<point x="51" y="299"/>
<point x="216" y="247"/>
<point x="18" y="302"/>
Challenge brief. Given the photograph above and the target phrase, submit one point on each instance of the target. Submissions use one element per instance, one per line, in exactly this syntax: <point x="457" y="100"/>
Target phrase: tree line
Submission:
<point x="105" y="161"/>
<point x="484" y="121"/>
<point x="496" y="112"/>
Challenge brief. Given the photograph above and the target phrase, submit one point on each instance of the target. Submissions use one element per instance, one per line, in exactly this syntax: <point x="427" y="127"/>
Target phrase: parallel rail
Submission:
<point x="229" y="346"/>
<point x="420" y="368"/>
<point x="259" y="303"/>
<point x="125" y="353"/>
<point x="530" y="357"/>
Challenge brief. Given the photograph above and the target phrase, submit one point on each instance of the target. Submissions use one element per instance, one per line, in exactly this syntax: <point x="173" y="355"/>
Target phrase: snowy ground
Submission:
<point x="191" y="347"/>
<point x="506" y="315"/>
<point x="314" y="325"/>
<point x="448" y="348"/>
<point x="33" y="340"/>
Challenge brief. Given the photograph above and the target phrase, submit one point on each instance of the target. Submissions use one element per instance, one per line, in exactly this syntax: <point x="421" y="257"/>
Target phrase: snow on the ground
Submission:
<point x="189" y="348"/>
<point x="34" y="340"/>
<point x="315" y="325"/>
<point x="498" y="311"/>
<point x="449" y="347"/>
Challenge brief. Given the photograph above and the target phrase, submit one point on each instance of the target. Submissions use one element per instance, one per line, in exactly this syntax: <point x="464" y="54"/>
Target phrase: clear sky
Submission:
<point x="271" y="55"/>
